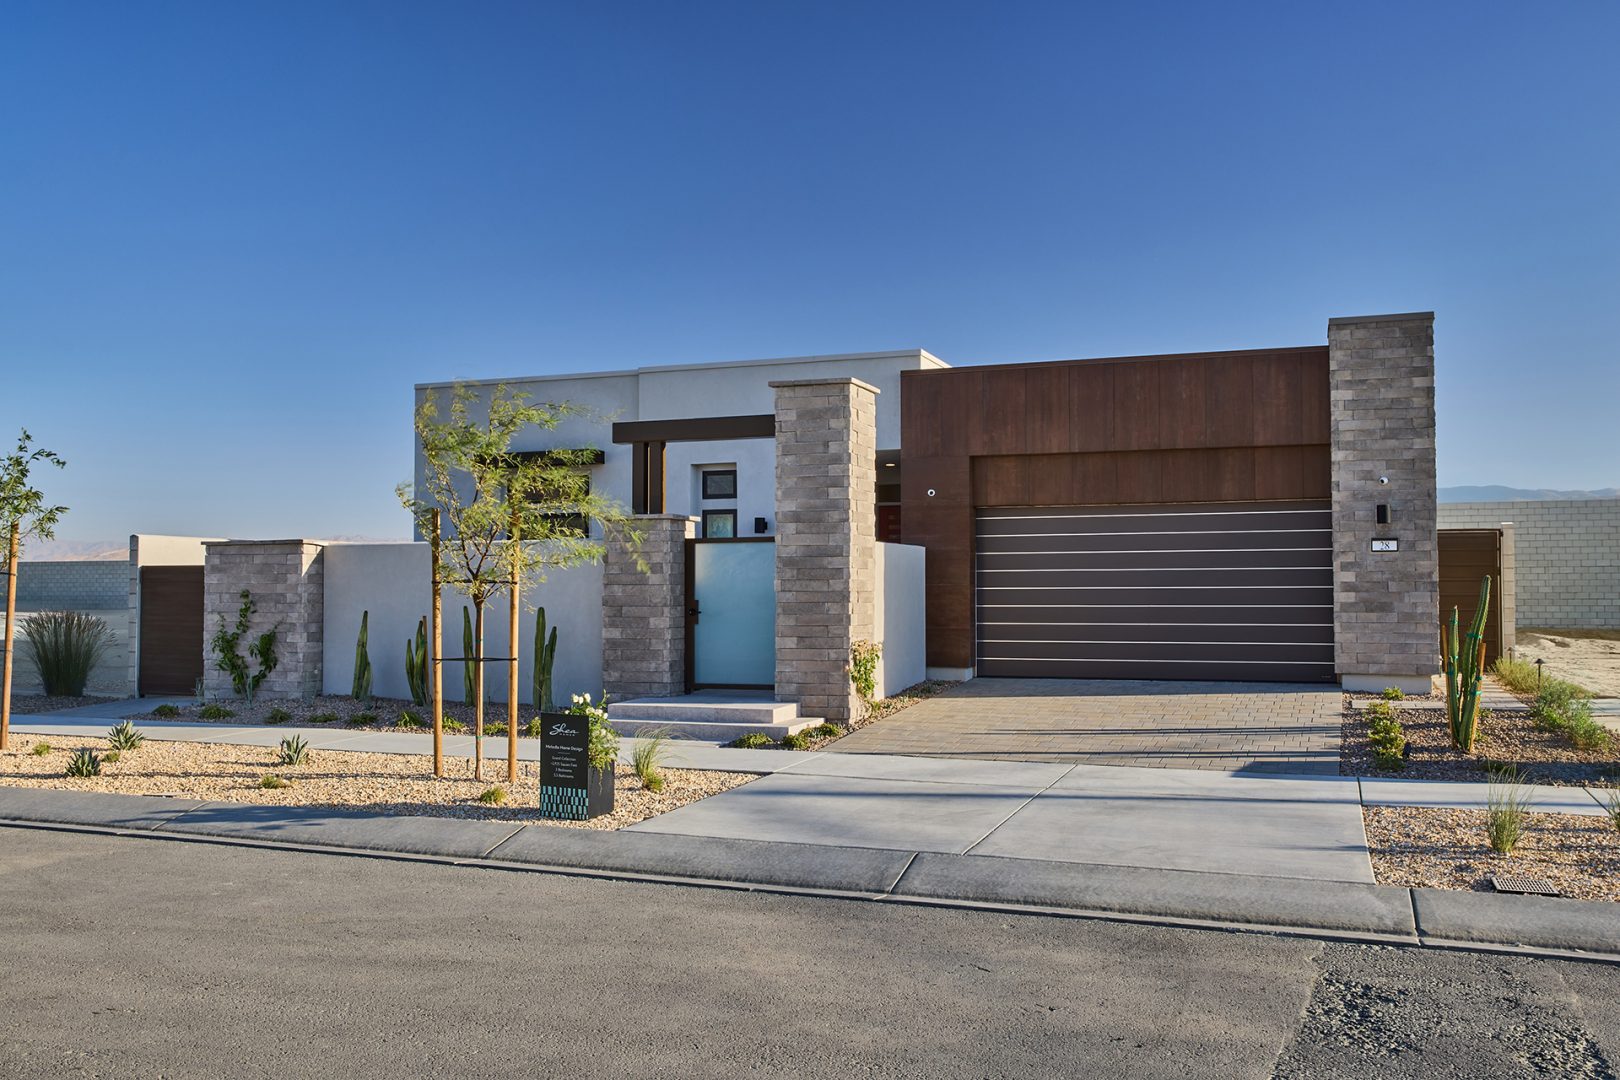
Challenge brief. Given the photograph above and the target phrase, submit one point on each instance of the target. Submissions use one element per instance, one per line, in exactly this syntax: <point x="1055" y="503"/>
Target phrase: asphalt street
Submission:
<point x="138" y="957"/>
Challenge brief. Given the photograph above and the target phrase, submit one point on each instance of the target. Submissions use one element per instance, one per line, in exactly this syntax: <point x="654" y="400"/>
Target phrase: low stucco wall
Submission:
<point x="391" y="581"/>
<point x="899" y="617"/>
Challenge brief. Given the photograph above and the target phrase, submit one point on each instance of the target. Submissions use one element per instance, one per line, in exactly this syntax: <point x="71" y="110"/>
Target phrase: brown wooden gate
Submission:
<point x="1466" y="555"/>
<point x="171" y="641"/>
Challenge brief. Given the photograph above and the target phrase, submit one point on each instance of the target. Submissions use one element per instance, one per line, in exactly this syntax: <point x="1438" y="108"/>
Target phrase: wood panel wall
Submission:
<point x="1201" y="427"/>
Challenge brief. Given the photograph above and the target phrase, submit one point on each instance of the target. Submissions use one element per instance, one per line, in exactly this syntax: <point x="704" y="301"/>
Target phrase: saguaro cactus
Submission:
<point x="1465" y="669"/>
<point x="545" y="653"/>
<point x="416" y="663"/>
<point x="362" y="663"/>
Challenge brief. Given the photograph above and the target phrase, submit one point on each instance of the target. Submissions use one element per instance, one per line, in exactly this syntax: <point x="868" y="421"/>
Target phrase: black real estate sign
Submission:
<point x="565" y="766"/>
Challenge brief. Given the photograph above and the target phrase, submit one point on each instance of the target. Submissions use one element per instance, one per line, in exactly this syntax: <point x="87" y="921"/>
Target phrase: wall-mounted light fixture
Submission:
<point x="761" y="525"/>
<point x="1383" y="513"/>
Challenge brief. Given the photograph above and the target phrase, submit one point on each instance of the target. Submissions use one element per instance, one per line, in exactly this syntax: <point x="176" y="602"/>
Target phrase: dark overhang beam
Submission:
<point x="698" y="429"/>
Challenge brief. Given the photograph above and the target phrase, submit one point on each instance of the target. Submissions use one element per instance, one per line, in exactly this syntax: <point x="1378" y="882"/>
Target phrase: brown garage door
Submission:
<point x="171" y="641"/>
<point x="1180" y="591"/>
<point x="1466" y="555"/>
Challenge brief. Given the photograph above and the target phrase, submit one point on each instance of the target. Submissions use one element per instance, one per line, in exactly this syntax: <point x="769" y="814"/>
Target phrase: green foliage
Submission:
<point x="416" y="663"/>
<point x="493" y="796"/>
<point x="824" y="730"/>
<point x="1567" y="709"/>
<point x="325" y="718"/>
<point x="225" y="642"/>
<point x="1388" y="742"/>
<point x="215" y="712"/>
<point x="1519" y="675"/>
<point x="469" y="649"/>
<point x="409" y="718"/>
<point x="271" y="780"/>
<point x="863" y="661"/>
<point x="603" y="749"/>
<point x="360" y="719"/>
<point x="1379" y="710"/>
<point x="21" y="504"/>
<point x="85" y="762"/>
<point x="1611" y="805"/>
<point x="165" y="710"/>
<point x="1394" y="693"/>
<point x="754" y="740"/>
<point x="795" y="742"/>
<point x="278" y="715"/>
<point x="651" y="748"/>
<point x="1465" y="661"/>
<point x="532" y="728"/>
<point x="545" y="654"/>
<point x="65" y="647"/>
<point x="1507" y="806"/>
<point x="41" y="748"/>
<point x="294" y="751"/>
<point x="361" y="689"/>
<point x="123" y="736"/>
<point x="495" y="729"/>
<point x="111" y="757"/>
<point x="452" y="726"/>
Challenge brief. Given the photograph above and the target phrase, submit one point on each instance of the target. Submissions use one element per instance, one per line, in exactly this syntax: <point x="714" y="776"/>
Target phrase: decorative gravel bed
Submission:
<point x="23" y="704"/>
<point x="382" y="783"/>
<point x="1544" y="757"/>
<point x="1447" y="849"/>
<point x="388" y="712"/>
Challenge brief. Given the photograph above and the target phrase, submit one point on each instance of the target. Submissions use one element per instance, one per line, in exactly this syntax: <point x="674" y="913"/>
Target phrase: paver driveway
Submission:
<point x="1247" y="727"/>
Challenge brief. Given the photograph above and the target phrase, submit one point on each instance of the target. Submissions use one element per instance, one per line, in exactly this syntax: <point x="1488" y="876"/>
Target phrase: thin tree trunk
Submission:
<point x="515" y="635"/>
<point x="478" y="690"/>
<point x="11" y="633"/>
<point x="434" y="643"/>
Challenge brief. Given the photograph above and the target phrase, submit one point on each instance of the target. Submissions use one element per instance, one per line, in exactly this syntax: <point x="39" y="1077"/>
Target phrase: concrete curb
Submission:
<point x="1235" y="902"/>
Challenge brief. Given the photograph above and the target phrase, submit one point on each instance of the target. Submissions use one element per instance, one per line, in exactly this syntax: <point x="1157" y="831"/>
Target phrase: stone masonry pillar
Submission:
<point x="286" y="580"/>
<point x="1386" y="604"/>
<point x="826" y="539"/>
<point x="644" y="612"/>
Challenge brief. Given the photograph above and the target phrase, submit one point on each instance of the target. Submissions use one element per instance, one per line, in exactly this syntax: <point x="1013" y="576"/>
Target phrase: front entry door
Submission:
<point x="731" y="613"/>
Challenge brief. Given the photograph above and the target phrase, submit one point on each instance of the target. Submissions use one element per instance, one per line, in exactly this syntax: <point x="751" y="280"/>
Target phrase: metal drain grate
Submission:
<point x="1523" y="884"/>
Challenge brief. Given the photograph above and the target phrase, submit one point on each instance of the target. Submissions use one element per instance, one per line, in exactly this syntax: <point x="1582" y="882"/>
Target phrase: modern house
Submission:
<point x="1245" y="515"/>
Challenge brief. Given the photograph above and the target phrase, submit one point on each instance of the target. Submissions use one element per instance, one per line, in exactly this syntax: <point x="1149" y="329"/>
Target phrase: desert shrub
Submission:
<point x="165" y="711"/>
<point x="1388" y="742"/>
<point x="495" y="729"/>
<point x="754" y="740"/>
<point x="111" y="757"/>
<point x="65" y="647"/>
<point x="278" y="715"/>
<point x="325" y="718"/>
<point x="271" y="780"/>
<point x="651" y="748"/>
<point x="409" y="718"/>
<point x="1519" y="675"/>
<point x="452" y="726"/>
<point x="825" y="730"/>
<point x="532" y="728"/>
<point x="41" y="749"/>
<point x="1378" y="710"/>
<point x="1507" y="806"/>
<point x="1611" y="806"/>
<point x="360" y="718"/>
<point x="493" y="796"/>
<point x="123" y="736"/>
<point x="294" y="751"/>
<point x="1567" y="709"/>
<point x="85" y="762"/>
<point x="1394" y="693"/>
<point x="215" y="712"/>
<point x="795" y="742"/>
<point x="1587" y="734"/>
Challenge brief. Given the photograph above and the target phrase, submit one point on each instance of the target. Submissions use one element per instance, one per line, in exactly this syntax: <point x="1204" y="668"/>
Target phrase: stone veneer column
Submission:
<point x="644" y="612"/>
<point x="826" y="539"/>
<point x="286" y="579"/>
<point x="1386" y="605"/>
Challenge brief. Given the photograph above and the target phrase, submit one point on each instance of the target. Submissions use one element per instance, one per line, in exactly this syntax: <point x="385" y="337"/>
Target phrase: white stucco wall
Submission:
<point x="391" y="582"/>
<point x="899" y="615"/>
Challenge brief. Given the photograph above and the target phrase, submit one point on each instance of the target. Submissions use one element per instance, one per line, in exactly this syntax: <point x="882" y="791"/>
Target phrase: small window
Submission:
<point x="720" y="524"/>
<point x="720" y="484"/>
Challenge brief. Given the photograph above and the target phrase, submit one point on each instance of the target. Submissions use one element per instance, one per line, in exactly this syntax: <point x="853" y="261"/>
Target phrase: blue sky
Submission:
<point x="232" y="236"/>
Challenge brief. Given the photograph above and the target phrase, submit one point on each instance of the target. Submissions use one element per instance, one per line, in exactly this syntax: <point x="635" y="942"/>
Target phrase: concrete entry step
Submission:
<point x="711" y="715"/>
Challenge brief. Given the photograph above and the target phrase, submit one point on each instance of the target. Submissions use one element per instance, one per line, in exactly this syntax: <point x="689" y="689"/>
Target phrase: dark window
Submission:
<point x="720" y="484"/>
<point x="720" y="524"/>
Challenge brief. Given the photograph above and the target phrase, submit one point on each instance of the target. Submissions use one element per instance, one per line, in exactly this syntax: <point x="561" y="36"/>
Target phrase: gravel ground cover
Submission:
<point x="1419" y="847"/>
<point x="387" y="712"/>
<point x="1544" y="757"/>
<point x="23" y="704"/>
<point x="383" y="783"/>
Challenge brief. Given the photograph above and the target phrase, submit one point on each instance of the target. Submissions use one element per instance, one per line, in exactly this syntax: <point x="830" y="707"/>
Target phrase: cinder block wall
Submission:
<point x="1386" y="605"/>
<point x="286" y="581"/>
<point x="1567" y="557"/>
<point x="91" y="587"/>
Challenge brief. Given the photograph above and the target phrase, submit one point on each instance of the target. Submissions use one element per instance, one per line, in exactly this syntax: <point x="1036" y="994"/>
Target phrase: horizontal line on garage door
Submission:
<point x="983" y="513"/>
<point x="1130" y="569"/>
<point x="1152" y="532"/>
<point x="1156" y="551"/>
<point x="1167" y="660"/>
<point x="1142" y="588"/>
<point x="1213" y="607"/>
<point x="982" y="622"/>
<point x="1138" y="641"/>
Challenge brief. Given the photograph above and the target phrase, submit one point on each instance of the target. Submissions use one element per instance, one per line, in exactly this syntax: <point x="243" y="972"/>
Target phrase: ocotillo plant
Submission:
<point x="416" y="663"/>
<point x="469" y="668"/>
<point x="362" y="663"/>
<point x="545" y="652"/>
<point x="1465" y="669"/>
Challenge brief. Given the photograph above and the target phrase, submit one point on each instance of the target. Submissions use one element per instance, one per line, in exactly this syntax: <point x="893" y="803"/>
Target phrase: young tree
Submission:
<point x="23" y="514"/>
<point x="486" y="492"/>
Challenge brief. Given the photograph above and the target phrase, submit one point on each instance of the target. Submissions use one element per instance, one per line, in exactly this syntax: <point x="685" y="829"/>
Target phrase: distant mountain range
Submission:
<point x="1498" y="493"/>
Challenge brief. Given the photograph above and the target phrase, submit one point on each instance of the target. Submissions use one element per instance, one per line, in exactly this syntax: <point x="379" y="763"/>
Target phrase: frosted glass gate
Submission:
<point x="731" y="613"/>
